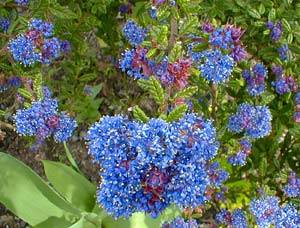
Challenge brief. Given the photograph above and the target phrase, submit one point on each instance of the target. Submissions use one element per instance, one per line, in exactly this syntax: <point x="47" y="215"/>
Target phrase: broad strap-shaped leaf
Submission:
<point x="73" y="186"/>
<point x="28" y="196"/>
<point x="141" y="220"/>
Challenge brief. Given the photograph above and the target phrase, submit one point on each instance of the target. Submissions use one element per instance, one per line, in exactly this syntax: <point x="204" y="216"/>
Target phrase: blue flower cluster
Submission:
<point x="214" y="66"/>
<point x="255" y="79"/>
<point x="136" y="64"/>
<point x="146" y="167"/>
<point x="264" y="209"/>
<point x="287" y="216"/>
<point x="268" y="212"/>
<point x="4" y="23"/>
<point x="276" y="30"/>
<point x="22" y="2"/>
<point x="42" y="119"/>
<point x="284" y="84"/>
<point x="14" y="81"/>
<point x="134" y="33"/>
<point x="283" y="52"/>
<point x="297" y="113"/>
<point x="236" y="219"/>
<point x="255" y="120"/>
<point x="37" y="44"/>
<point x="228" y="39"/>
<point x="292" y="189"/>
<point x="179" y="222"/>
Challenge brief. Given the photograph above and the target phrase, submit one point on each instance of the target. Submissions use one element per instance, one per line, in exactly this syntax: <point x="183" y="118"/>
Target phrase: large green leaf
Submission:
<point x="71" y="185"/>
<point x="29" y="197"/>
<point x="140" y="220"/>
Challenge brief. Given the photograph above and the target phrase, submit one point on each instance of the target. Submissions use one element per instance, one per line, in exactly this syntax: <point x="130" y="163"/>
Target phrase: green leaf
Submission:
<point x="239" y="185"/>
<point x="25" y="93"/>
<point x="175" y="53"/>
<point x="88" y="77"/>
<point x="186" y="92"/>
<point x="62" y="12"/>
<point x="139" y="114"/>
<point x="286" y="24"/>
<point x="154" y="87"/>
<point x="2" y="113"/>
<point x="177" y="112"/>
<point x="254" y="13"/>
<point x="28" y="196"/>
<point x="267" y="98"/>
<point x="272" y="15"/>
<point x="73" y="186"/>
<point x="263" y="167"/>
<point x="189" y="26"/>
<point x="151" y="53"/>
<point x="261" y="9"/>
<point x="37" y="85"/>
<point x="140" y="220"/>
<point x="290" y="38"/>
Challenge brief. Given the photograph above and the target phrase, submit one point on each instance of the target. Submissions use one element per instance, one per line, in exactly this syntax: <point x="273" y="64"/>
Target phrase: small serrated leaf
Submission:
<point x="254" y="13"/>
<point x="286" y="24"/>
<point x="175" y="53"/>
<point x="272" y="15"/>
<point x="261" y="9"/>
<point x="290" y="38"/>
<point x="267" y="98"/>
<point x="151" y="53"/>
<point x="2" y="113"/>
<point x="157" y="91"/>
<point x="25" y="93"/>
<point x="139" y="114"/>
<point x="186" y="92"/>
<point x="177" y="113"/>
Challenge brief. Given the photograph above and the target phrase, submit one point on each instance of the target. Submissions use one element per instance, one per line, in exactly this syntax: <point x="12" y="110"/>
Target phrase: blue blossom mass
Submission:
<point x="255" y="79"/>
<point x="214" y="66"/>
<point x="146" y="167"/>
<point x="254" y="120"/>
<point x="236" y="219"/>
<point x="37" y="44"/>
<point x="264" y="209"/>
<point x="134" y="33"/>
<point x="42" y="119"/>
<point x="179" y="222"/>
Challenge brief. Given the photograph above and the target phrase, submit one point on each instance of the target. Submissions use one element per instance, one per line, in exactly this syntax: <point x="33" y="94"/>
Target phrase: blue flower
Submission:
<point x="179" y="222"/>
<point x="41" y="26"/>
<point x="22" y="2"/>
<point x="24" y="50"/>
<point x="236" y="219"/>
<point x="255" y="120"/>
<point x="4" y="23"/>
<point x="287" y="216"/>
<point x="255" y="79"/>
<point x="292" y="189"/>
<point x="265" y="209"/>
<point x="283" y="52"/>
<point x="146" y="167"/>
<point x="42" y="119"/>
<point x="238" y="159"/>
<point x="134" y="33"/>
